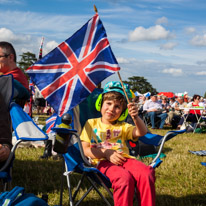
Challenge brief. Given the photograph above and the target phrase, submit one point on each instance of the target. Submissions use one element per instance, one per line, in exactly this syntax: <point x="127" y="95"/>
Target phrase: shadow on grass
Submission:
<point x="39" y="176"/>
<point x="161" y="200"/>
<point x="188" y="200"/>
<point x="44" y="176"/>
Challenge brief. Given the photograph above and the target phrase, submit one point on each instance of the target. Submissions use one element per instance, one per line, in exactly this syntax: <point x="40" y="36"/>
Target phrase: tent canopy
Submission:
<point x="167" y="94"/>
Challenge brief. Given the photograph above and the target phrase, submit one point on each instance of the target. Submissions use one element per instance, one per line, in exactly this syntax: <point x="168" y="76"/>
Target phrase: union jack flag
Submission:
<point x="50" y="122"/>
<point x="70" y="72"/>
<point x="31" y="87"/>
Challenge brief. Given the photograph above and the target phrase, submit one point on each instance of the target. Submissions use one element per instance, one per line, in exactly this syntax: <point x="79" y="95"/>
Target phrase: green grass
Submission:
<point x="180" y="179"/>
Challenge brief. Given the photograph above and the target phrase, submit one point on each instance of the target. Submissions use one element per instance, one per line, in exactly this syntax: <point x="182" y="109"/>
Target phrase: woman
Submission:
<point x="193" y="114"/>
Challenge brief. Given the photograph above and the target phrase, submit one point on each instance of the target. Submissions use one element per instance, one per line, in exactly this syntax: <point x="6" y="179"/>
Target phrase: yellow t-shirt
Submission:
<point x="106" y="136"/>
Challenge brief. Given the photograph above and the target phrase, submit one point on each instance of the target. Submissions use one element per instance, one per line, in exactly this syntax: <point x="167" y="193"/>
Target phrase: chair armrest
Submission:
<point x="11" y="156"/>
<point x="167" y="136"/>
<point x="74" y="132"/>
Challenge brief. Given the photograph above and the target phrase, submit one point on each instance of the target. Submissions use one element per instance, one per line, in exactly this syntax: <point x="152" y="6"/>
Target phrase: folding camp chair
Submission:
<point x="76" y="162"/>
<point x="25" y="130"/>
<point x="147" y="120"/>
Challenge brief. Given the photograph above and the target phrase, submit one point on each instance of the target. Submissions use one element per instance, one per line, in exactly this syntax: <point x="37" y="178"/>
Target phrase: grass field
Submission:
<point x="180" y="179"/>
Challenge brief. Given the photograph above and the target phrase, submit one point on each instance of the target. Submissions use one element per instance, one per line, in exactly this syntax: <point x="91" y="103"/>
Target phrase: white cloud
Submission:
<point x="199" y="40"/>
<point x="173" y="71"/>
<point x="190" y="30"/>
<point x="162" y="20"/>
<point x="201" y="73"/>
<point x="49" y="46"/>
<point x="156" y="32"/>
<point x="122" y="60"/>
<point x="168" y="46"/>
<point x="54" y="26"/>
<point x="10" y="2"/>
<point x="8" y="35"/>
<point x="151" y="61"/>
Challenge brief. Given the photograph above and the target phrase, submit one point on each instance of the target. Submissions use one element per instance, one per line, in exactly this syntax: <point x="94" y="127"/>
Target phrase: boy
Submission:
<point x="103" y="140"/>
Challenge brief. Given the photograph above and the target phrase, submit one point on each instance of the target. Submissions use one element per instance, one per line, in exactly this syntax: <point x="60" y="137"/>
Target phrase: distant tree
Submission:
<point x="27" y="59"/>
<point x="140" y="84"/>
<point x="205" y="95"/>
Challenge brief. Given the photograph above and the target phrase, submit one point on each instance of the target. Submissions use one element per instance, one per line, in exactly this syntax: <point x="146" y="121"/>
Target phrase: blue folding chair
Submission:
<point x="76" y="162"/>
<point x="25" y="130"/>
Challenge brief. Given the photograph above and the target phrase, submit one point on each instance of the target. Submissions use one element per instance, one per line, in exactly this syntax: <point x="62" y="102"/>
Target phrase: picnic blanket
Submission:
<point x="203" y="163"/>
<point x="200" y="152"/>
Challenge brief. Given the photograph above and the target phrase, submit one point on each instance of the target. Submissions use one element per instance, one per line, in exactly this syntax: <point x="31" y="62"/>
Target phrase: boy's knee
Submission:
<point x="149" y="173"/>
<point x="124" y="179"/>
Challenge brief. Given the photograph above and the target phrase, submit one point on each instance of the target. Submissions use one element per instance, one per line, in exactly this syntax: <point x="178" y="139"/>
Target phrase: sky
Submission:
<point x="163" y="41"/>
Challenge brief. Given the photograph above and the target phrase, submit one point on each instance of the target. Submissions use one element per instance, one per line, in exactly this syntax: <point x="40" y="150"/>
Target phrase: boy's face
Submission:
<point x="111" y="111"/>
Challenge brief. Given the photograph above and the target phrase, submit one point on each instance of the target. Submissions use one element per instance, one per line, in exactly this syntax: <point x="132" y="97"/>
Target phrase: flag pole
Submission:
<point x="123" y="87"/>
<point x="40" y="56"/>
<point x="41" y="48"/>
<point x="96" y="11"/>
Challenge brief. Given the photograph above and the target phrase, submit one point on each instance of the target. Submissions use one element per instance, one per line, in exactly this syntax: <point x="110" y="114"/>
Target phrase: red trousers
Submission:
<point x="132" y="174"/>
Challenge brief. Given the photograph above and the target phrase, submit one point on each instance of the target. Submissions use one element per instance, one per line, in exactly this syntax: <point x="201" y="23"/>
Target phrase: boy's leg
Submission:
<point x="145" y="181"/>
<point x="123" y="183"/>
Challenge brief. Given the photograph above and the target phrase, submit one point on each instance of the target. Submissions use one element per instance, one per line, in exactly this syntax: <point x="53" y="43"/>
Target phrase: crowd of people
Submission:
<point x="161" y="110"/>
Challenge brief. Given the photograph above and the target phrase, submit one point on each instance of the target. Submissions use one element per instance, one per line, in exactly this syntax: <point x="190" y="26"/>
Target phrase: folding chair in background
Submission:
<point x="76" y="162"/>
<point x="25" y="130"/>
<point x="147" y="120"/>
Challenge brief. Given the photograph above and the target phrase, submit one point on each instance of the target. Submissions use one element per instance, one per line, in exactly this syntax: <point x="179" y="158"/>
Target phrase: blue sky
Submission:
<point x="162" y="40"/>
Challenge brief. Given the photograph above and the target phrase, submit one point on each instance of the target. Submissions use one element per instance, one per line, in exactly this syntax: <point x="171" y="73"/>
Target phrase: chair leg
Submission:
<point x="105" y="187"/>
<point x="62" y="183"/>
<point x="71" y="203"/>
<point x="100" y="194"/>
<point x="85" y="194"/>
<point x="78" y="186"/>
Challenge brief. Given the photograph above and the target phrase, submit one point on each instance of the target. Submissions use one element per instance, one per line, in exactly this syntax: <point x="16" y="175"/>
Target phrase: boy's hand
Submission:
<point x="114" y="157"/>
<point x="133" y="109"/>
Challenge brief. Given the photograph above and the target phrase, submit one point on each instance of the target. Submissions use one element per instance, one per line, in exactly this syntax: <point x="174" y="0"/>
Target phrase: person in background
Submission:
<point x="165" y="104"/>
<point x="8" y="66"/>
<point x="20" y="96"/>
<point x="154" y="109"/>
<point x="172" y="102"/>
<point x="175" y="114"/>
<point x="185" y="97"/>
<point x="5" y="132"/>
<point x="191" y="117"/>
<point x="39" y="101"/>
